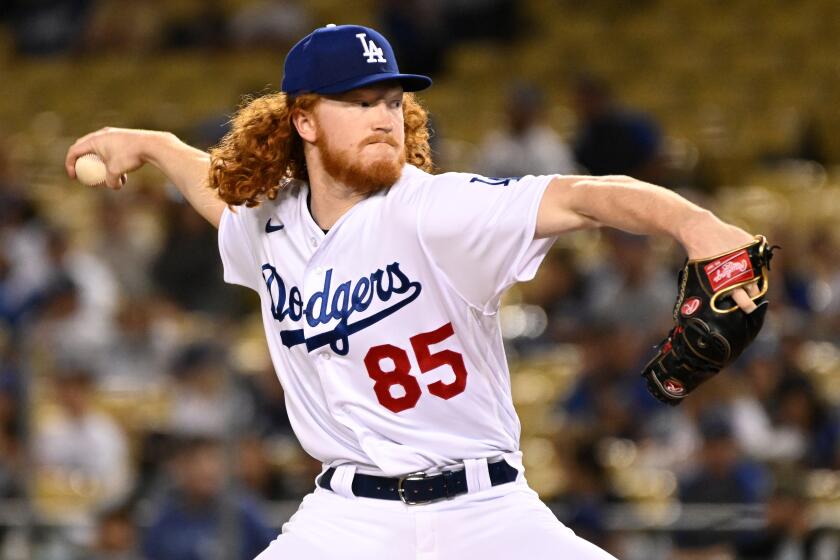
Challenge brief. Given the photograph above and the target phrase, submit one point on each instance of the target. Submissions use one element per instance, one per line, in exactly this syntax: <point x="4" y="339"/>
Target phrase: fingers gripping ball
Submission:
<point x="710" y="330"/>
<point x="90" y="170"/>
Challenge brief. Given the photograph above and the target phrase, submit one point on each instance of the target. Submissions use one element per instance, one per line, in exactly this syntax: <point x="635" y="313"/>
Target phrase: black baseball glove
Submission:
<point x="710" y="330"/>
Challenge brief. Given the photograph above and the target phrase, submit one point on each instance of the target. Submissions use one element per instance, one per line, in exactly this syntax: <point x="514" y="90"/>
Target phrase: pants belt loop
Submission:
<point x="478" y="477"/>
<point x="342" y="480"/>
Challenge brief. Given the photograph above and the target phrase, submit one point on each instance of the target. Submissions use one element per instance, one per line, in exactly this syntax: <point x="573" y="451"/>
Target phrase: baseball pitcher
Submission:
<point x="380" y="285"/>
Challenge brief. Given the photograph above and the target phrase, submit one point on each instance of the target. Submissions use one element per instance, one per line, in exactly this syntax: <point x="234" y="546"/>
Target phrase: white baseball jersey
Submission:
<point x="384" y="331"/>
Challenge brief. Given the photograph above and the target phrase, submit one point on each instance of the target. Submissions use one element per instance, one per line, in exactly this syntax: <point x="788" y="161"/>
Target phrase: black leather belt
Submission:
<point x="419" y="488"/>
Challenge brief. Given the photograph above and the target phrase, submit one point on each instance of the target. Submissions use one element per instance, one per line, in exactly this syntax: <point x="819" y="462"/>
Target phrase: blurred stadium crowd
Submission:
<point x="139" y="414"/>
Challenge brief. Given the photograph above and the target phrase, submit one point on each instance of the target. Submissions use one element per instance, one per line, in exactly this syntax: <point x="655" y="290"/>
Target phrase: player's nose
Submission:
<point x="383" y="120"/>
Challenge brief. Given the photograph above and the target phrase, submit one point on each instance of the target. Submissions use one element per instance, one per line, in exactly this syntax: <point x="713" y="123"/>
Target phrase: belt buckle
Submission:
<point x="401" y="490"/>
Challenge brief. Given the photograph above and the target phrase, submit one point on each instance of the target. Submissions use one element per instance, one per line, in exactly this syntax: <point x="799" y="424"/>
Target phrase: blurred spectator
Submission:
<point x="270" y="419"/>
<point x="273" y="464"/>
<point x="11" y="451"/>
<point x="824" y="271"/>
<point x="789" y="268"/>
<point x="67" y="332"/>
<point x="23" y="249"/>
<point x="141" y="348"/>
<point x="124" y="245"/>
<point x="811" y="278"/>
<point x="76" y="304"/>
<point x="98" y="289"/>
<point x="12" y="471"/>
<point x="47" y="27"/>
<point x="154" y="448"/>
<point x="587" y="495"/>
<point x="11" y="479"/>
<point x="525" y="146"/>
<point x="799" y="408"/>
<point x="612" y="140"/>
<point x="129" y="27"/>
<point x="116" y="536"/>
<point x="789" y="532"/>
<point x="498" y="20"/>
<point x="804" y="140"/>
<point x="274" y="24"/>
<point x="188" y="525"/>
<point x="188" y="268"/>
<point x="7" y="174"/>
<point x="12" y="306"/>
<point x="721" y="475"/>
<point x="76" y="440"/>
<point x="422" y="32"/>
<point x="809" y="143"/>
<point x="757" y="429"/>
<point x="791" y="345"/>
<point x="565" y="300"/>
<point x="630" y="285"/>
<point x="200" y="399"/>
<point x="209" y="131"/>
<point x="417" y="30"/>
<point x="608" y="396"/>
<point x="259" y="476"/>
<point x="559" y="290"/>
<point x="195" y="25"/>
<point x="74" y="323"/>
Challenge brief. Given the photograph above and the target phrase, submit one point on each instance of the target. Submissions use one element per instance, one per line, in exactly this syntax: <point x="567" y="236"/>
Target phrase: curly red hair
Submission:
<point x="263" y="150"/>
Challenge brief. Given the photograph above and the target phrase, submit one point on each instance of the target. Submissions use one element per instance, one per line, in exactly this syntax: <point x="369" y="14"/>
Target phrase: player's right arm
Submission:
<point x="125" y="150"/>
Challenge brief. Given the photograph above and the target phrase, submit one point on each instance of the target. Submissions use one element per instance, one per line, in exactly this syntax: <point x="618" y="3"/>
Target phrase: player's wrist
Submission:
<point x="154" y="144"/>
<point x="693" y="231"/>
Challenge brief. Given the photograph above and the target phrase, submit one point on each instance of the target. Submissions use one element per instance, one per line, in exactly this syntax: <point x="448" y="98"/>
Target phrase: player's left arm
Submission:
<point x="583" y="202"/>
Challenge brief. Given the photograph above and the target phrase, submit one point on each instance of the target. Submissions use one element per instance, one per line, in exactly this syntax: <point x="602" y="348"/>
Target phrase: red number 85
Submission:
<point x="427" y="361"/>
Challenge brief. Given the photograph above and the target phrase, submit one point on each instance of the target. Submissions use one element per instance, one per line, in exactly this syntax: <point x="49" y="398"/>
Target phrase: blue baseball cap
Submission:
<point x="338" y="58"/>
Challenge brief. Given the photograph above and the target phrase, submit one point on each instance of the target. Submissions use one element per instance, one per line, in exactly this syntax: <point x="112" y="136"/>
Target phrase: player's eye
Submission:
<point x="396" y="104"/>
<point x="365" y="103"/>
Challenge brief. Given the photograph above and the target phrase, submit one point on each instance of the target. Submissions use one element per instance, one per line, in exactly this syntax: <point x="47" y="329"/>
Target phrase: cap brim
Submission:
<point x="409" y="82"/>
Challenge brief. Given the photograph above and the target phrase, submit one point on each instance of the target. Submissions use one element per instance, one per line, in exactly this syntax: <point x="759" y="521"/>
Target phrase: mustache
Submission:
<point x="381" y="138"/>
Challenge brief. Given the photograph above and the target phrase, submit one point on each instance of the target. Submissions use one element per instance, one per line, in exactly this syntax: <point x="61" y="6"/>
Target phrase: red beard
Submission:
<point x="363" y="179"/>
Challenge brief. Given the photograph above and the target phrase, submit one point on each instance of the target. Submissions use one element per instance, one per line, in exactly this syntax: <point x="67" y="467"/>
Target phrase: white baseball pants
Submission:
<point x="502" y="522"/>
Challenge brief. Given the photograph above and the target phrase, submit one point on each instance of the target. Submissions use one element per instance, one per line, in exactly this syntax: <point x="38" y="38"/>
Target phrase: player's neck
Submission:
<point x="330" y="198"/>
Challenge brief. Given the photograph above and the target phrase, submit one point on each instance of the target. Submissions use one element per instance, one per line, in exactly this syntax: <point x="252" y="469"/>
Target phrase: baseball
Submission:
<point x="90" y="170"/>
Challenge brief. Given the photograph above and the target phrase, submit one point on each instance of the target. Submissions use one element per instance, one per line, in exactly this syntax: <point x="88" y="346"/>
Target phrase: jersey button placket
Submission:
<point x="313" y="282"/>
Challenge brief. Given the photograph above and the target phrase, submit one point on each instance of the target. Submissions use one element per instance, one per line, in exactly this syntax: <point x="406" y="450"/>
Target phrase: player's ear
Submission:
<point x="304" y="123"/>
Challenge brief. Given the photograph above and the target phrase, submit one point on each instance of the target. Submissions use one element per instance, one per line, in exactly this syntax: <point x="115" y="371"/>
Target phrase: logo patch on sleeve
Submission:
<point x="729" y="270"/>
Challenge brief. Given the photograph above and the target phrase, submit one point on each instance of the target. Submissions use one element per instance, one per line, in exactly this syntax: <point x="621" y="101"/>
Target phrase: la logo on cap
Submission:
<point x="327" y="61"/>
<point x="371" y="51"/>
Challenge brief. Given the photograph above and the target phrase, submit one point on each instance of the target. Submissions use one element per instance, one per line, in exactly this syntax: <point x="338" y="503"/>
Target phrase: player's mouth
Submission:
<point x="382" y="140"/>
